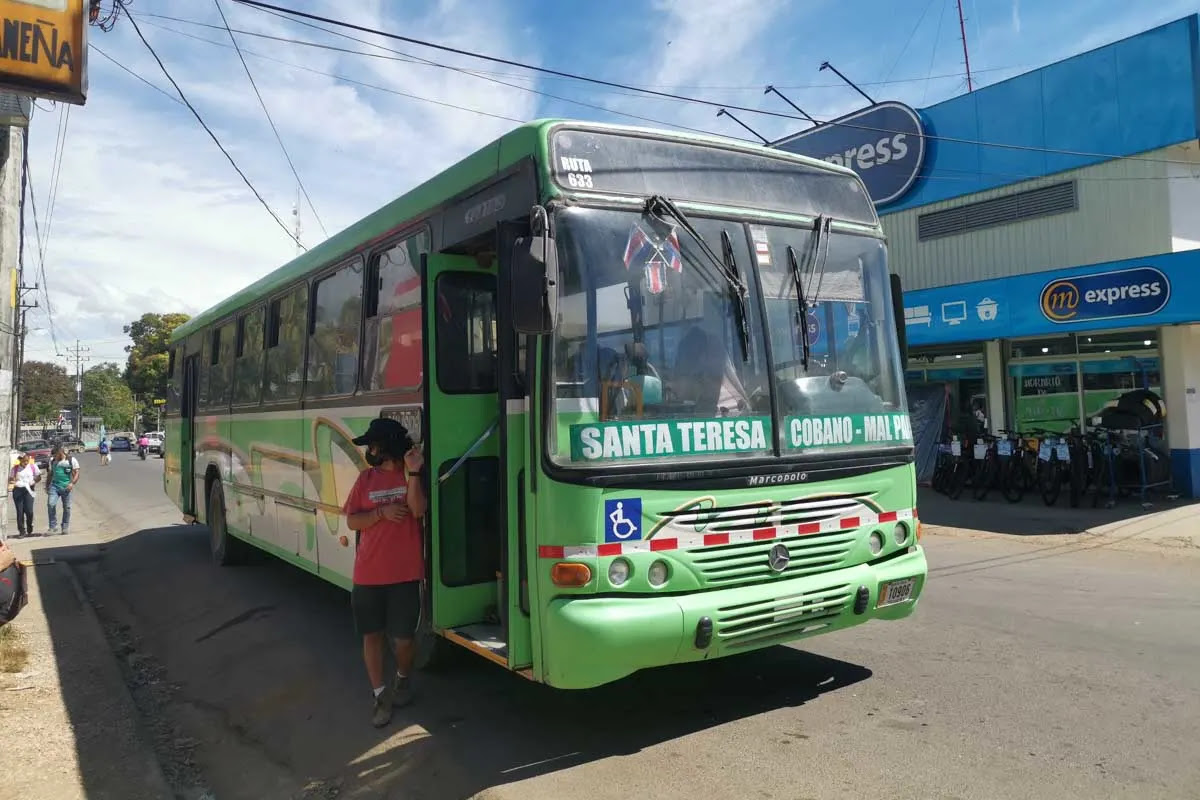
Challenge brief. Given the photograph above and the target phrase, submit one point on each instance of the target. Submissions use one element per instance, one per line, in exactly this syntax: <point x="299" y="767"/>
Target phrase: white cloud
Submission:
<point x="1016" y="16"/>
<point x="151" y="217"/>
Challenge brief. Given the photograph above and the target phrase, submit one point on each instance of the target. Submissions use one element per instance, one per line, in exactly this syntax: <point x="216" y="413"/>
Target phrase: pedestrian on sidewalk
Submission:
<point x="104" y="454"/>
<point x="384" y="508"/>
<point x="21" y="482"/>
<point x="64" y="473"/>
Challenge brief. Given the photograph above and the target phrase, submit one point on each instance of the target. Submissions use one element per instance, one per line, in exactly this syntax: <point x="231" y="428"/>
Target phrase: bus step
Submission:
<point x="486" y="640"/>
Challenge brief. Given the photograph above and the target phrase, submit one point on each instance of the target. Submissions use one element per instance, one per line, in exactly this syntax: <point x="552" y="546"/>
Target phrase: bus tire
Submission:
<point x="226" y="550"/>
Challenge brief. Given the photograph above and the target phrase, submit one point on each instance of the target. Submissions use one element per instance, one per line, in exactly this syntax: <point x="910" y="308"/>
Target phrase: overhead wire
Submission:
<point x="908" y="41"/>
<point x="344" y="78"/>
<point x="60" y="152"/>
<point x="757" y="88"/>
<point x="151" y="84"/>
<point x="417" y="60"/>
<point x="45" y="289"/>
<point x="937" y="38"/>
<point x="207" y="129"/>
<point x="287" y="156"/>
<point x="702" y="101"/>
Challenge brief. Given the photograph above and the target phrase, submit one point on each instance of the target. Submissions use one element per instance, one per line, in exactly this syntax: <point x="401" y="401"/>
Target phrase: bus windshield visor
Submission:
<point x="648" y="361"/>
<point x="647" y="357"/>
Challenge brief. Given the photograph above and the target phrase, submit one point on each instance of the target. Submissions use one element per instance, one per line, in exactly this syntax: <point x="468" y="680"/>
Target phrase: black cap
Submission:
<point x="382" y="431"/>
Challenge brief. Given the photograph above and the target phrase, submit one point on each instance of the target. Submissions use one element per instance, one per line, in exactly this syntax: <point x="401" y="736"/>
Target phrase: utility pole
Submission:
<point x="962" y="30"/>
<point x="19" y="382"/>
<point x="77" y="353"/>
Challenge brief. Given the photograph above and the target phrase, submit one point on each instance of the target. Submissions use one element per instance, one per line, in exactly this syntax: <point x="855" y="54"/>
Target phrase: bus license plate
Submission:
<point x="894" y="592"/>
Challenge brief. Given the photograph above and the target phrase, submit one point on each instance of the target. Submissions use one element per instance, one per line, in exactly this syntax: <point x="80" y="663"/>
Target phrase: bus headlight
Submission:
<point x="657" y="574"/>
<point x="875" y="542"/>
<point x="900" y="533"/>
<point x="618" y="572"/>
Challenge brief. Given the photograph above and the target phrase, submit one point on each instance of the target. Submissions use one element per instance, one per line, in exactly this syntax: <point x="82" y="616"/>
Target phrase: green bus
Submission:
<point x="658" y="380"/>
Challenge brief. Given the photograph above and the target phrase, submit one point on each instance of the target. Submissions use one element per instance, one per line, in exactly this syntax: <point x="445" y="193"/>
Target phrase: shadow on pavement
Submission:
<point x="269" y="697"/>
<point x="1030" y="517"/>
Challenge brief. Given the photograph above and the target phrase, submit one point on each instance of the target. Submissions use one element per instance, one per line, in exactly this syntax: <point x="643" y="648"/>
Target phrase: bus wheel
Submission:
<point x="226" y="550"/>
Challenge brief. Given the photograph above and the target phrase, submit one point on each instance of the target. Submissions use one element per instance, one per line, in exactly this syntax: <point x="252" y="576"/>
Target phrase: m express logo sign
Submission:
<point x="884" y="144"/>
<point x="1136" y="292"/>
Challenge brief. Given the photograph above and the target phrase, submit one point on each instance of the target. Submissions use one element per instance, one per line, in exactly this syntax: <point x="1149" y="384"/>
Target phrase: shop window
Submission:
<point x="1120" y="342"/>
<point x="1040" y="348"/>
<point x="1104" y="381"/>
<point x="1047" y="395"/>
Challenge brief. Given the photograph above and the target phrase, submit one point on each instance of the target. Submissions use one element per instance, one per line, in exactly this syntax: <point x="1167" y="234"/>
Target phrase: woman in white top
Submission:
<point x="21" y="482"/>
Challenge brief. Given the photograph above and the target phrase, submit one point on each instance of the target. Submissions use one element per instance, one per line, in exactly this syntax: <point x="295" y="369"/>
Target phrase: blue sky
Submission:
<point x="150" y="217"/>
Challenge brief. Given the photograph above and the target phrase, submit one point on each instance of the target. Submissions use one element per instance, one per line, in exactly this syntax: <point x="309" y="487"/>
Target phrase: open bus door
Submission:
<point x="468" y="460"/>
<point x="187" y="435"/>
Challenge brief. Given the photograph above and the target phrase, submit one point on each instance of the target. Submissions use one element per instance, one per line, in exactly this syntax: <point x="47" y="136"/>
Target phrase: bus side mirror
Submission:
<point x="898" y="315"/>
<point x="534" y="285"/>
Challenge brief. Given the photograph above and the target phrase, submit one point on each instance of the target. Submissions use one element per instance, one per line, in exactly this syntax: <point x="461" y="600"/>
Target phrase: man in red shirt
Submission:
<point x="384" y="507"/>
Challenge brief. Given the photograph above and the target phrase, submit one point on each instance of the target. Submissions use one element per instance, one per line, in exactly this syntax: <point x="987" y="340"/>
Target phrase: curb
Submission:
<point x="154" y="770"/>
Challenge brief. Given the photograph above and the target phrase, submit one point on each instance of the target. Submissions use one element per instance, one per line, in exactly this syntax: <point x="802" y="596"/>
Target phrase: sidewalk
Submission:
<point x="71" y="727"/>
<point x="1166" y="527"/>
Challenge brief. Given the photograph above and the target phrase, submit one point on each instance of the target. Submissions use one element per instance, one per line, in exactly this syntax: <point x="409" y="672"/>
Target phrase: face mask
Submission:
<point x="374" y="459"/>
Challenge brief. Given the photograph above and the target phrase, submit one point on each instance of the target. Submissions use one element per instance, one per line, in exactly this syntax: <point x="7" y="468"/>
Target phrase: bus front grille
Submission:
<point x="779" y="618"/>
<point x="739" y="564"/>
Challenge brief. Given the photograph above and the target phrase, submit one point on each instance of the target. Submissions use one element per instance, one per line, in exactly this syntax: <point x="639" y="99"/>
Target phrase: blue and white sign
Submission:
<point x="884" y="144"/>
<point x="623" y="519"/>
<point x="1120" y="294"/>
<point x="1136" y="292"/>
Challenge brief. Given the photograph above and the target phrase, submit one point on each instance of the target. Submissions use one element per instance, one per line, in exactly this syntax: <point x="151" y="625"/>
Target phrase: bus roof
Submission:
<point x="521" y="142"/>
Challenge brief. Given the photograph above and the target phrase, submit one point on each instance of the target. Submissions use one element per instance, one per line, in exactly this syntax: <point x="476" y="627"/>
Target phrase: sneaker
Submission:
<point x="402" y="693"/>
<point x="382" y="714"/>
<point x="52" y="531"/>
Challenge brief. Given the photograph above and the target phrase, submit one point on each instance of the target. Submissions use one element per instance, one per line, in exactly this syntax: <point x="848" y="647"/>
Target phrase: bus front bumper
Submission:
<point x="590" y="641"/>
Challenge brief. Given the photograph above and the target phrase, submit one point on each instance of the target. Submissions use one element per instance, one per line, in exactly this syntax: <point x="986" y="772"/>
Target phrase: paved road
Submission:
<point x="1030" y="671"/>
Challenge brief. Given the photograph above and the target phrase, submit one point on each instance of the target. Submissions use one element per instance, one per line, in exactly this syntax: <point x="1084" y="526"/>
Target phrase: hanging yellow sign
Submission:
<point x="43" y="48"/>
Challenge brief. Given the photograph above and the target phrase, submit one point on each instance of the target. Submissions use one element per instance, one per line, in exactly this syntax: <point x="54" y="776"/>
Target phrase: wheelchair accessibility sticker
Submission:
<point x="623" y="519"/>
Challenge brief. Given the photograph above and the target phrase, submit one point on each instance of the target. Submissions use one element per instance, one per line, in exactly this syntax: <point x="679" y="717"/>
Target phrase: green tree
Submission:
<point x="45" y="388"/>
<point x="107" y="395"/>
<point x="146" y="369"/>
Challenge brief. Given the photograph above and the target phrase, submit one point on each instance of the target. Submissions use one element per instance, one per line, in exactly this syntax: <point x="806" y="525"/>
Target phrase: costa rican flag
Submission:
<point x="655" y="255"/>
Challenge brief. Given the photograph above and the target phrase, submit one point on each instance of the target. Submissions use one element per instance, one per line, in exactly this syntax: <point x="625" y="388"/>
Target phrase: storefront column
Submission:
<point x="997" y="380"/>
<point x="1181" y="392"/>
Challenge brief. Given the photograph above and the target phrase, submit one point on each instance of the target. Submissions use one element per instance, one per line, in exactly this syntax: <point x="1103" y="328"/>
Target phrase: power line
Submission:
<point x="701" y="101"/>
<point x="712" y="87"/>
<point x="408" y="59"/>
<point x="60" y="155"/>
<point x="204" y="125"/>
<point x="270" y="121"/>
<point x="152" y="85"/>
<point x="342" y="78"/>
<point x="41" y="259"/>
<point x="908" y="41"/>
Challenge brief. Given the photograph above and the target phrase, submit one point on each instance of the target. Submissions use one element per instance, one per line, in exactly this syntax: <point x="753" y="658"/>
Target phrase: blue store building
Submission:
<point x="1047" y="229"/>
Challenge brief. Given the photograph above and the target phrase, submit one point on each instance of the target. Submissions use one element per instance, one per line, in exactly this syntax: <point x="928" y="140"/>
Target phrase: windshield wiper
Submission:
<point x="801" y="308"/>
<point x="726" y="265"/>
<point x="818" y="254"/>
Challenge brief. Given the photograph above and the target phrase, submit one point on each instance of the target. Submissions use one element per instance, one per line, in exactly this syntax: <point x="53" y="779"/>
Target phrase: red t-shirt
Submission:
<point x="387" y="552"/>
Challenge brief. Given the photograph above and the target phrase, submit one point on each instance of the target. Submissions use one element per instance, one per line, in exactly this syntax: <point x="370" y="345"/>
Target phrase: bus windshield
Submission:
<point x="649" y="362"/>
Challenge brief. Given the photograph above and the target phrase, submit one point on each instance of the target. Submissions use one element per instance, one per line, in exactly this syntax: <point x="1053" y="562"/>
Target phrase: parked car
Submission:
<point x="72" y="445"/>
<point x="40" y="450"/>
<point x="123" y="443"/>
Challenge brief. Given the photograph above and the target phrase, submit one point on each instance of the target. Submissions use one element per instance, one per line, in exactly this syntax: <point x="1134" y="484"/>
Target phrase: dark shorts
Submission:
<point x="394" y="608"/>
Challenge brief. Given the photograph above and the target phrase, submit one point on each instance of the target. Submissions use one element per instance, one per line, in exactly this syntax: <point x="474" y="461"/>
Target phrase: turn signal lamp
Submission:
<point x="570" y="573"/>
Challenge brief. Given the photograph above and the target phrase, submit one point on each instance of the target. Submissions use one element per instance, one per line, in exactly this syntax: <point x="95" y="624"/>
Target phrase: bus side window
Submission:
<point x="286" y="322"/>
<point x="248" y="370"/>
<point x="466" y="333"/>
<point x="392" y="341"/>
<point x="334" y="331"/>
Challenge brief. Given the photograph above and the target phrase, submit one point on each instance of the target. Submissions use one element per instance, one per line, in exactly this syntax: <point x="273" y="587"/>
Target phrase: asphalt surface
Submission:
<point x="1030" y="670"/>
